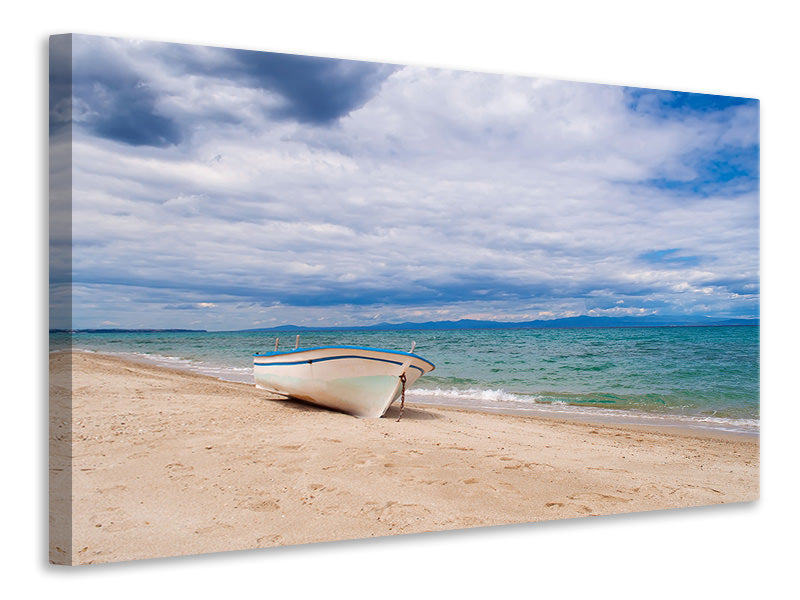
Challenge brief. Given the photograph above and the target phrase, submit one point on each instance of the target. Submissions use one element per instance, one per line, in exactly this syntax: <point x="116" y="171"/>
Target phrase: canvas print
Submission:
<point x="297" y="299"/>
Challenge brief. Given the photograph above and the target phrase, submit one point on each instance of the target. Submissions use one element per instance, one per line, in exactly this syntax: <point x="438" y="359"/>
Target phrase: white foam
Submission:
<point x="502" y="401"/>
<point x="472" y="394"/>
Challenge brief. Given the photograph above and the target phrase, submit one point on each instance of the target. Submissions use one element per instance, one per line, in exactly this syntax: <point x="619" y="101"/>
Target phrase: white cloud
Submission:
<point x="446" y="193"/>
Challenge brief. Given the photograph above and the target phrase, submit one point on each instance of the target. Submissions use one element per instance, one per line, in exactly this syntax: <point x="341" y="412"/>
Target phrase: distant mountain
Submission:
<point x="568" y="322"/>
<point x="127" y="330"/>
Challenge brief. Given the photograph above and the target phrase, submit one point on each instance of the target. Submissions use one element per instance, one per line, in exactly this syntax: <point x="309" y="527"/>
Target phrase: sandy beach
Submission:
<point x="167" y="462"/>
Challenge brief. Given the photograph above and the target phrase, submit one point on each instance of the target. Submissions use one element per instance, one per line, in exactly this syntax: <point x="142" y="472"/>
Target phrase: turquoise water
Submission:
<point x="692" y="376"/>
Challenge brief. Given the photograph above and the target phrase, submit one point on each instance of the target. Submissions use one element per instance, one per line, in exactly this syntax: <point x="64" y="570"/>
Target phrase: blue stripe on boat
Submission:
<point x="284" y="352"/>
<point x="316" y="360"/>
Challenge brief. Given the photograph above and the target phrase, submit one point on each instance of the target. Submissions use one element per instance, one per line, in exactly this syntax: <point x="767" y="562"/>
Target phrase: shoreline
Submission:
<point x="666" y="428"/>
<point x="567" y="413"/>
<point x="167" y="462"/>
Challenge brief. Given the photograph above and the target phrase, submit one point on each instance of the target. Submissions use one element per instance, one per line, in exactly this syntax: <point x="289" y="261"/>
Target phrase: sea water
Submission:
<point x="703" y="377"/>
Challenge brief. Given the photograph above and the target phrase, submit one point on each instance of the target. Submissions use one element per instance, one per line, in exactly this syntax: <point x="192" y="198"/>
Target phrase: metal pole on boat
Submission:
<point x="276" y="344"/>
<point x="297" y="341"/>
<point x="413" y="345"/>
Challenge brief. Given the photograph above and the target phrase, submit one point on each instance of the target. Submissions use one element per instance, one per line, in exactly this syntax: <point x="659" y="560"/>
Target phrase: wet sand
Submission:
<point x="168" y="462"/>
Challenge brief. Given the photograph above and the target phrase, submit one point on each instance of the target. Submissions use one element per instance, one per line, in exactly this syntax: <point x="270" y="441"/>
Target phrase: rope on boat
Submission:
<point x="402" y="396"/>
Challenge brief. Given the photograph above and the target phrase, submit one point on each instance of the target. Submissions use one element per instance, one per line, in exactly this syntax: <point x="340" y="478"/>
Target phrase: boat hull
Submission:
<point x="357" y="380"/>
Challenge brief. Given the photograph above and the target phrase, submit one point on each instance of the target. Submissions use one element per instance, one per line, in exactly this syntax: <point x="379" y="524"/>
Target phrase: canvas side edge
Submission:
<point x="60" y="299"/>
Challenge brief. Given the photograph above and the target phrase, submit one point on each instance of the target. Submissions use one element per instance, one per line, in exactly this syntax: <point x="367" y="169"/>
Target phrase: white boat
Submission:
<point x="353" y="379"/>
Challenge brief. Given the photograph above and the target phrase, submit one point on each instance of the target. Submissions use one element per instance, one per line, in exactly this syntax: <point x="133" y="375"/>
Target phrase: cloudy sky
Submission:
<point x="227" y="189"/>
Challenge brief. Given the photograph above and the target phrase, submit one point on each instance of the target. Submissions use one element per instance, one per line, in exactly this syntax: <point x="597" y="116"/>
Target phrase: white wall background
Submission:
<point x="735" y="48"/>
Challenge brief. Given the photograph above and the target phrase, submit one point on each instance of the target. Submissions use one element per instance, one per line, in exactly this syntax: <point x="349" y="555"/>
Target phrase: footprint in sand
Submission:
<point x="469" y="521"/>
<point x="270" y="540"/>
<point x="263" y="505"/>
<point x="178" y="471"/>
<point x="531" y="466"/>
<point x="115" y="488"/>
<point x="178" y="467"/>
<point x="609" y="469"/>
<point x="587" y="496"/>
<point x="213" y="529"/>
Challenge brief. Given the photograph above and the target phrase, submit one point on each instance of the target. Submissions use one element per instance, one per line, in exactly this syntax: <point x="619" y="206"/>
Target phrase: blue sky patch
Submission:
<point x="666" y="104"/>
<point x="671" y="257"/>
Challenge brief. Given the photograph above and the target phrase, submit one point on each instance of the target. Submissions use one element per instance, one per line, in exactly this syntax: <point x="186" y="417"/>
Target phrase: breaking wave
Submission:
<point x="498" y="400"/>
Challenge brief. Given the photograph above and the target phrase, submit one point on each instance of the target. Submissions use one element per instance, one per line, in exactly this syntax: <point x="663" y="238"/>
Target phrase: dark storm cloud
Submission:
<point x="119" y="98"/>
<point x="113" y="99"/>
<point x="315" y="90"/>
<point x="381" y="288"/>
<point x="132" y="119"/>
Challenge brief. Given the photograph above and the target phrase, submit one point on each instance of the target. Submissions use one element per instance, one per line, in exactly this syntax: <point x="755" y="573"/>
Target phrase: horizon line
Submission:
<point x="623" y="321"/>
